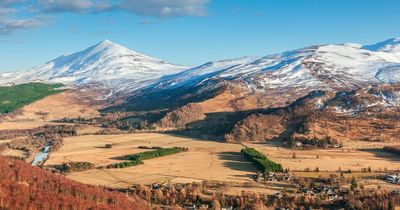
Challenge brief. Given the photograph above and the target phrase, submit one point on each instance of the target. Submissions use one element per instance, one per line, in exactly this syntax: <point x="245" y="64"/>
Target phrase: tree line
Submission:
<point x="261" y="161"/>
<point x="138" y="158"/>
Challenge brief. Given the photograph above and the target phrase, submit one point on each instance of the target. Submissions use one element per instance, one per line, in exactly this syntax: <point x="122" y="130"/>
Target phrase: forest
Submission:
<point x="15" y="97"/>
<point x="20" y="182"/>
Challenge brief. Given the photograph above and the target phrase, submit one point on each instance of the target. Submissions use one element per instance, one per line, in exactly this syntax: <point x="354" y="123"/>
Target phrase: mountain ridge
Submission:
<point x="108" y="63"/>
<point x="111" y="66"/>
<point x="290" y="74"/>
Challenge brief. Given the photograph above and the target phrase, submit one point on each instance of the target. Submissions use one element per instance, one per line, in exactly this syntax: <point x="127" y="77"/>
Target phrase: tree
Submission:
<point x="353" y="183"/>
<point x="215" y="204"/>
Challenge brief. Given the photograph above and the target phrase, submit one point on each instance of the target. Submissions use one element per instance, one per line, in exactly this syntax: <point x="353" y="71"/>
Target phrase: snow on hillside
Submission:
<point x="316" y="67"/>
<point x="110" y="64"/>
<point x="390" y="45"/>
<point x="204" y="71"/>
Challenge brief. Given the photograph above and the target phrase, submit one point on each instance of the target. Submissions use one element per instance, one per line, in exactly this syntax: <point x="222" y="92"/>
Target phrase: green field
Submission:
<point x="15" y="97"/>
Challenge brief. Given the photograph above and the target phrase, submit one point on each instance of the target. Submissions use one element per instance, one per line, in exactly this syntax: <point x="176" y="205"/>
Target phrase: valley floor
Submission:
<point x="206" y="160"/>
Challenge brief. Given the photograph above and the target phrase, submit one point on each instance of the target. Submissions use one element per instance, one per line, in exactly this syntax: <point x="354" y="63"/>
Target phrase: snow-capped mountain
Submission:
<point x="105" y="63"/>
<point x="293" y="73"/>
<point x="325" y="66"/>
<point x="390" y="45"/>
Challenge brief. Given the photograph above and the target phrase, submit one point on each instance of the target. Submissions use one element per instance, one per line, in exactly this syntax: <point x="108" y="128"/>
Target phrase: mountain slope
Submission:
<point x="390" y="45"/>
<point x="292" y="73"/>
<point x="105" y="63"/>
<point x="367" y="114"/>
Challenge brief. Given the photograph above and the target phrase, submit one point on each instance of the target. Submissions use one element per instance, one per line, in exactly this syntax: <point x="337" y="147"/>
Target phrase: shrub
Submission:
<point x="75" y="166"/>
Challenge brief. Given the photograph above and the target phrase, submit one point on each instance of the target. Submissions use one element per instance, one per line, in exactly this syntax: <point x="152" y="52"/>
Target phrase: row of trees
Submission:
<point x="393" y="149"/>
<point x="126" y="164"/>
<point x="261" y="161"/>
<point x="137" y="159"/>
<point x="156" y="153"/>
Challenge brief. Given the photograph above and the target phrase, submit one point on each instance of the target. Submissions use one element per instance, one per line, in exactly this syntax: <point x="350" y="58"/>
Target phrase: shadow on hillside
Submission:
<point x="275" y="143"/>
<point x="215" y="125"/>
<point x="235" y="161"/>
<point x="379" y="152"/>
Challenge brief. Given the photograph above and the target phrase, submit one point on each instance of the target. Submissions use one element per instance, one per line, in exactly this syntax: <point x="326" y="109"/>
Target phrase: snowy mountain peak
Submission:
<point x="107" y="63"/>
<point x="389" y="46"/>
<point x="106" y="41"/>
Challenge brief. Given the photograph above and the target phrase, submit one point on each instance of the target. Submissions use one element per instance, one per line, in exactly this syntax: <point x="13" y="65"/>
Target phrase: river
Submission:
<point x="42" y="156"/>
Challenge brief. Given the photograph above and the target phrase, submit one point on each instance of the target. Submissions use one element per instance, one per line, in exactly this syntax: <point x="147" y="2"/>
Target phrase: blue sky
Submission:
<point x="188" y="32"/>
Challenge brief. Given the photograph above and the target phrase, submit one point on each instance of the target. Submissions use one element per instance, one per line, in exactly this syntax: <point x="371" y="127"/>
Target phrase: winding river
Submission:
<point x="42" y="156"/>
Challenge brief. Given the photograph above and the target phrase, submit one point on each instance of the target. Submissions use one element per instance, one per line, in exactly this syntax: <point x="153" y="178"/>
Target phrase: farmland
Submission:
<point x="205" y="160"/>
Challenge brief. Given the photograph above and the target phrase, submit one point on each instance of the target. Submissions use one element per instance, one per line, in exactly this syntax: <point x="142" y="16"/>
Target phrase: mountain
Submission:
<point x="366" y="114"/>
<point x="105" y="63"/>
<point x="290" y="74"/>
<point x="390" y="45"/>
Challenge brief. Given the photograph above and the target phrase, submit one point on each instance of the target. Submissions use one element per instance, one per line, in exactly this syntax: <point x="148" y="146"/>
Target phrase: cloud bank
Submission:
<point x="16" y="15"/>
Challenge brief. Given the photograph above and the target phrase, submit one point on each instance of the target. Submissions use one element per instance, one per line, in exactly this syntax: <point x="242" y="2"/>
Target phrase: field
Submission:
<point x="206" y="160"/>
<point x="354" y="156"/>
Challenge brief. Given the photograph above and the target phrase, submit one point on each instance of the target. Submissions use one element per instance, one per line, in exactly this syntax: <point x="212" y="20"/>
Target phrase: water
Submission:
<point x="41" y="156"/>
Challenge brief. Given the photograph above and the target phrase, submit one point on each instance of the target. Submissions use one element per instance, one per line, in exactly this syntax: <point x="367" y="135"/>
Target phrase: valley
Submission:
<point x="326" y="115"/>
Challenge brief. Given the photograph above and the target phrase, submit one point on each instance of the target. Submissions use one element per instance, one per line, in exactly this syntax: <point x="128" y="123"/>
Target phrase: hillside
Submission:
<point x="287" y="75"/>
<point x="26" y="187"/>
<point x="15" y="97"/>
<point x="105" y="65"/>
<point x="366" y="114"/>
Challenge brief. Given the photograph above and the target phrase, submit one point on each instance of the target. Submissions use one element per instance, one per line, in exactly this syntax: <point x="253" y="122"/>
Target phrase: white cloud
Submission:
<point x="164" y="8"/>
<point x="56" y="6"/>
<point x="9" y="24"/>
<point x="32" y="11"/>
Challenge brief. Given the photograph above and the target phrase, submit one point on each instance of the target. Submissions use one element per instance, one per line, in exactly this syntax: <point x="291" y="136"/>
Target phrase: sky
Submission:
<point x="187" y="32"/>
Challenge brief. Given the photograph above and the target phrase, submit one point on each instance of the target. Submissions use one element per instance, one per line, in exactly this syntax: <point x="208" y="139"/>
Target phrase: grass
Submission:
<point x="15" y="97"/>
